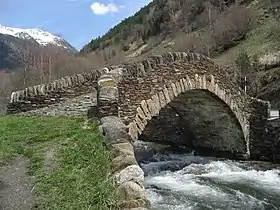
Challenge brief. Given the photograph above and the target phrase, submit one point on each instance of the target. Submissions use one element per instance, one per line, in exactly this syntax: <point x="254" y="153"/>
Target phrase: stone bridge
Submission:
<point x="195" y="89"/>
<point x="186" y="92"/>
<point x="183" y="99"/>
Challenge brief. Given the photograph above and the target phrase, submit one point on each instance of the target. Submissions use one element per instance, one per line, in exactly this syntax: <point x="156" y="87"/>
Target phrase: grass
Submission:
<point x="79" y="175"/>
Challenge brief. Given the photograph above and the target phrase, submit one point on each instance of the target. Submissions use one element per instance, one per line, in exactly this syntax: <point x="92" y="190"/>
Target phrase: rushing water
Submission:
<point x="181" y="182"/>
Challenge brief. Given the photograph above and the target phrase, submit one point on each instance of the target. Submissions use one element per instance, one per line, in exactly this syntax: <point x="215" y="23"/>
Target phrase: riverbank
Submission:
<point x="55" y="163"/>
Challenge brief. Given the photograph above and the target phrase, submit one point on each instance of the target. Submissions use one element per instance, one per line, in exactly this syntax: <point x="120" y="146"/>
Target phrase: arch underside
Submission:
<point x="199" y="120"/>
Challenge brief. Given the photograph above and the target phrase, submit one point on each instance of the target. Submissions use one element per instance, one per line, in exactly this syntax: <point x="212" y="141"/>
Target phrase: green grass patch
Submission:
<point x="78" y="175"/>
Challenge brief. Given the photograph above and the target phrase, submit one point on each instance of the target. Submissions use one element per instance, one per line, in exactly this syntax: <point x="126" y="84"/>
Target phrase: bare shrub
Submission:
<point x="232" y="27"/>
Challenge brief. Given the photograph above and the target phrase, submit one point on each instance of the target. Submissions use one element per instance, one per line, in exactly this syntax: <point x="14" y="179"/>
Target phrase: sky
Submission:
<point x="77" y="21"/>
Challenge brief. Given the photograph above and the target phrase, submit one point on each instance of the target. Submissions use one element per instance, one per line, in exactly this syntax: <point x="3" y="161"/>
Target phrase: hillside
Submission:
<point x="159" y="20"/>
<point x="239" y="36"/>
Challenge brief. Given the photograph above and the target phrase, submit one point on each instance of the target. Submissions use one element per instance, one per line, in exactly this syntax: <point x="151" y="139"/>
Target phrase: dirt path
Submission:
<point x="16" y="187"/>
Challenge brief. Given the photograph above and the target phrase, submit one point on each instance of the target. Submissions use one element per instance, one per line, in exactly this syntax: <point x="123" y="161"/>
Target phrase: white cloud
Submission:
<point x="102" y="9"/>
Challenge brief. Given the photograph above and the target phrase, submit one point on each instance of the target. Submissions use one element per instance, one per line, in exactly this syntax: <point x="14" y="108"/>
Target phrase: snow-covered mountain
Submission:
<point x="19" y="47"/>
<point x="43" y="38"/>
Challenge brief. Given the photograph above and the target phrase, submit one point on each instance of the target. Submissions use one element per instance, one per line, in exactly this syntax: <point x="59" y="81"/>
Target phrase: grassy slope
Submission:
<point x="79" y="175"/>
<point x="257" y="42"/>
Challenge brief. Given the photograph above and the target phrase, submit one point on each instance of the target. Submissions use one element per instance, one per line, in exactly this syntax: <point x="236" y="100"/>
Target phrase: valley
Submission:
<point x="153" y="114"/>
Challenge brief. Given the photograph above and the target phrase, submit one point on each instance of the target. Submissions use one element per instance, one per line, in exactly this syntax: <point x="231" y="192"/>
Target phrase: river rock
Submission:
<point x="122" y="161"/>
<point x="130" y="191"/>
<point x="124" y="148"/>
<point x="113" y="129"/>
<point x="132" y="195"/>
<point x="130" y="173"/>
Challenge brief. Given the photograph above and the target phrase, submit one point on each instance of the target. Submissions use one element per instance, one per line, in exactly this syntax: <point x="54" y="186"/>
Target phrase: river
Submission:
<point x="184" y="181"/>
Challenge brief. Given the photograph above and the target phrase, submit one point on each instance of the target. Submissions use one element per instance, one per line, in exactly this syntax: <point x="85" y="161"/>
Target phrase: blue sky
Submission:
<point x="77" y="21"/>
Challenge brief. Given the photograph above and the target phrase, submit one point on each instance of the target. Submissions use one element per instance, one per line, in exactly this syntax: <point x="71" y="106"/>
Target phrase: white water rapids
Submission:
<point x="182" y="182"/>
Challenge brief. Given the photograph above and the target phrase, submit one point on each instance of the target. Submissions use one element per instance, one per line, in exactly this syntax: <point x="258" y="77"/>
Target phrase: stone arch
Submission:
<point x="197" y="120"/>
<point x="151" y="107"/>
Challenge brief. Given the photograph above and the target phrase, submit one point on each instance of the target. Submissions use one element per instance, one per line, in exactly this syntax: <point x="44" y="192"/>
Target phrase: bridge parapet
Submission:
<point x="43" y="95"/>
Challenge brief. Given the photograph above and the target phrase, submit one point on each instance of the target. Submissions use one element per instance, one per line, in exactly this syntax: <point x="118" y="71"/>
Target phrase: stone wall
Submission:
<point x="199" y="121"/>
<point x="126" y="172"/>
<point x="82" y="105"/>
<point x="260" y="143"/>
<point x="45" y="95"/>
<point x="273" y="138"/>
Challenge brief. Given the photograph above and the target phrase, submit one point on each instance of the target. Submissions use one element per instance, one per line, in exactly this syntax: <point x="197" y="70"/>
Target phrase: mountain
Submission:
<point x="19" y="46"/>
<point x="12" y="50"/>
<point x="43" y="38"/>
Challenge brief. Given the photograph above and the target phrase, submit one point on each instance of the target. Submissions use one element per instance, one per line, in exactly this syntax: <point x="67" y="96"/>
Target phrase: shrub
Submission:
<point x="231" y="27"/>
<point x="125" y="47"/>
<point x="243" y="62"/>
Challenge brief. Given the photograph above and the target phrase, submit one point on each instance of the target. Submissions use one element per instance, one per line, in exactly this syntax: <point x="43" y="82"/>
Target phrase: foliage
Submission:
<point x="247" y="64"/>
<point x="80" y="176"/>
